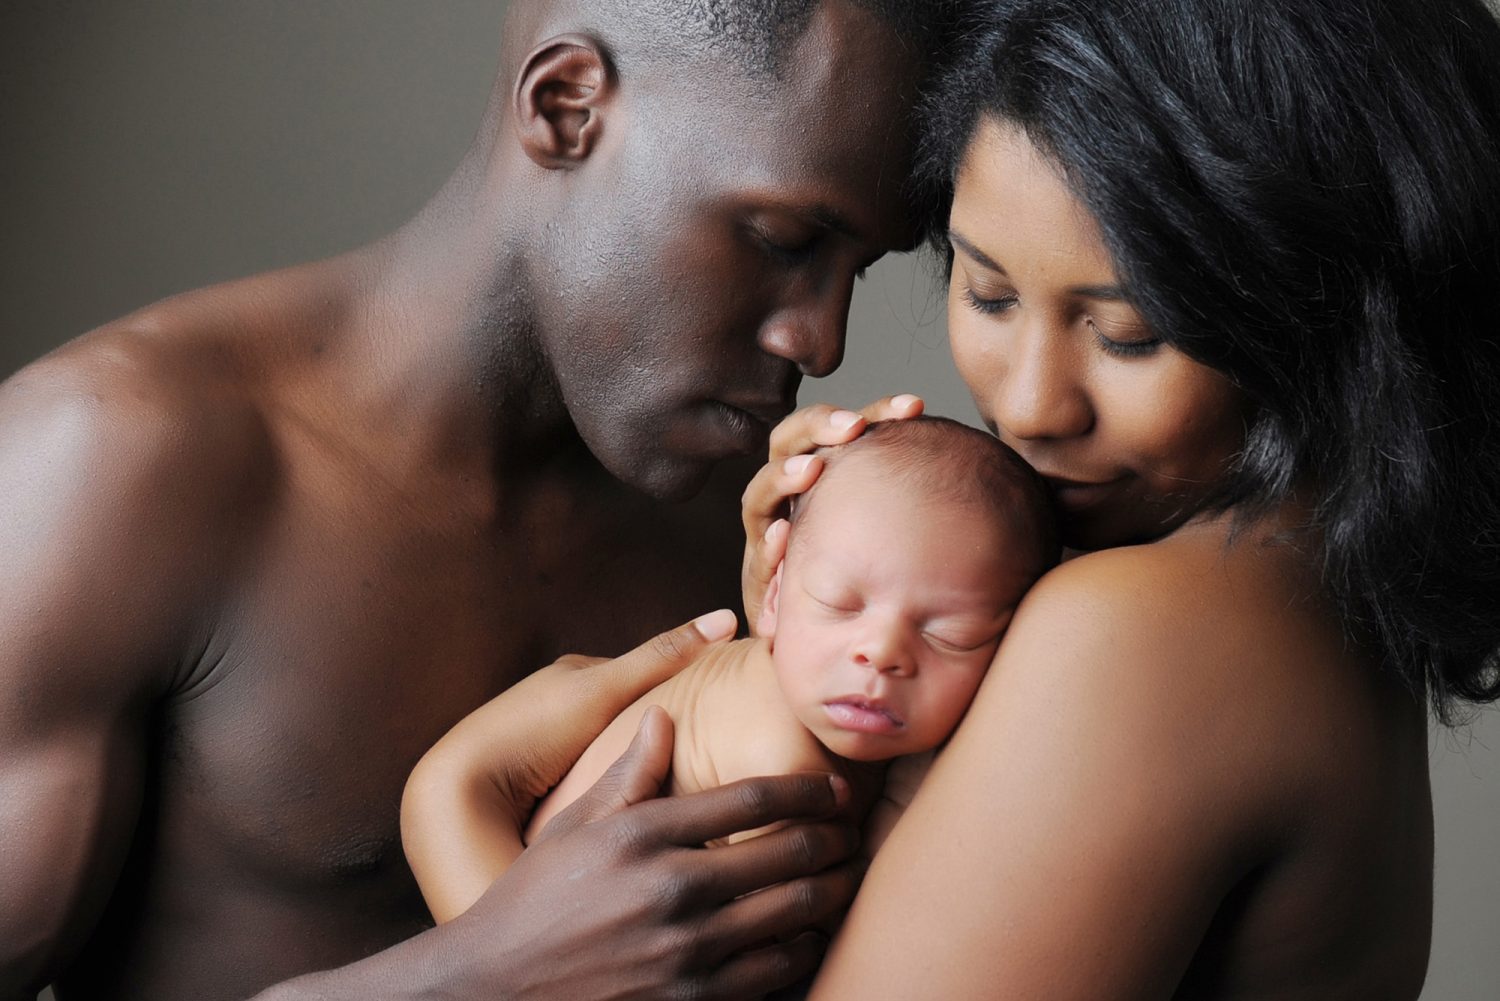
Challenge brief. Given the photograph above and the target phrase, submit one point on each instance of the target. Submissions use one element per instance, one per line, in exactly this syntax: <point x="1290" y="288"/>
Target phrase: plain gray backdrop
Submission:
<point x="152" y="146"/>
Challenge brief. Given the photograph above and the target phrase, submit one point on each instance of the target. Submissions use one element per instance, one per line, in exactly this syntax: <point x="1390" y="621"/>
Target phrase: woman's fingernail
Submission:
<point x="904" y="401"/>
<point x="776" y="529"/>
<point x="843" y="420"/>
<point x="716" y="626"/>
<point x="797" y="464"/>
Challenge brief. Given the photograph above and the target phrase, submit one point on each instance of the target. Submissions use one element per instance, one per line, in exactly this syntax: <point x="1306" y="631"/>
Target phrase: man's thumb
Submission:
<point x="636" y="776"/>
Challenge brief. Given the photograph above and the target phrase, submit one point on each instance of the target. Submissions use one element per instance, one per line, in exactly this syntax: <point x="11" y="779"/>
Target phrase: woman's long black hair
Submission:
<point x="1305" y="195"/>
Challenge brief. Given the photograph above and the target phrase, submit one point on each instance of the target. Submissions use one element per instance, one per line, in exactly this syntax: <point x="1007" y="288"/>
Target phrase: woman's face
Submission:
<point x="1130" y="434"/>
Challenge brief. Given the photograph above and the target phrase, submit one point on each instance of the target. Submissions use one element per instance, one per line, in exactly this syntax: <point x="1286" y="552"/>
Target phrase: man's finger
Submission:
<point x="743" y="806"/>
<point x="793" y="852"/>
<point x="654" y="661"/>
<point x="636" y="776"/>
<point x="759" y="972"/>
<point x="784" y="908"/>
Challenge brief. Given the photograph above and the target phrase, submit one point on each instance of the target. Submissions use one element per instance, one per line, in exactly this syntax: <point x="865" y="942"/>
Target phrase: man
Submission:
<point x="264" y="543"/>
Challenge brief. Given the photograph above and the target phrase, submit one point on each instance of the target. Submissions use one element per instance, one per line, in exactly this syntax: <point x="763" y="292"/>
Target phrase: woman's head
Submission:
<point x="1302" y="198"/>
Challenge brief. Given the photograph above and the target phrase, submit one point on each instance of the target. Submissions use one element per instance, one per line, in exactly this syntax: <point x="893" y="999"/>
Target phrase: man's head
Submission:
<point x="903" y="567"/>
<point x="702" y="181"/>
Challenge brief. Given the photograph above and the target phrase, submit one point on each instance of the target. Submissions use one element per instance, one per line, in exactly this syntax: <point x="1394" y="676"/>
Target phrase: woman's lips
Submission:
<point x="1074" y="495"/>
<point x="863" y="715"/>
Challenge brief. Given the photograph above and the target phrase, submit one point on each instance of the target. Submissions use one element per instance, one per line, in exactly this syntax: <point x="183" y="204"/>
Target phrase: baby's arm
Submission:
<point x="464" y="811"/>
<point x="462" y="817"/>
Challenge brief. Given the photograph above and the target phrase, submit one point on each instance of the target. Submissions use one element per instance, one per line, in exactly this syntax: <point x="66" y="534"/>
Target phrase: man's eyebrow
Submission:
<point x="831" y="218"/>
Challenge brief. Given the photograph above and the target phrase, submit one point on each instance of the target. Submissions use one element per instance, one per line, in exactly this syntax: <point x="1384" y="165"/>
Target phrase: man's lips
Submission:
<point x="863" y="715"/>
<point x="766" y="412"/>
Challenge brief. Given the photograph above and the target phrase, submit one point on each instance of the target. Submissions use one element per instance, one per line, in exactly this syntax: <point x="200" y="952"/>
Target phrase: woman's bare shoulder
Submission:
<point x="1202" y="638"/>
<point x="1120" y="769"/>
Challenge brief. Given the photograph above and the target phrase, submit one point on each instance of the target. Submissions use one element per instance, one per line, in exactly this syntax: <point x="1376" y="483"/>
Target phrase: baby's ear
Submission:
<point x="765" y="623"/>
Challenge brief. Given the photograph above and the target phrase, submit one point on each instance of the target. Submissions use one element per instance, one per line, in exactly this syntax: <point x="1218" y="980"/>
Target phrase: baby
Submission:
<point x="903" y="566"/>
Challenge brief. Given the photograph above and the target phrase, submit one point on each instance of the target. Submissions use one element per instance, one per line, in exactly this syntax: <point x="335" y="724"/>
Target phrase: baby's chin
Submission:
<point x="862" y="745"/>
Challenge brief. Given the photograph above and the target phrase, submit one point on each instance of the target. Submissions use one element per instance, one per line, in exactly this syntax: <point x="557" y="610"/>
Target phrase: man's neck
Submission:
<point x="445" y="340"/>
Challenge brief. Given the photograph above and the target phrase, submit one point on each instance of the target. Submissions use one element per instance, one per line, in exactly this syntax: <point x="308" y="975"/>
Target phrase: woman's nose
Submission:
<point x="1040" y="394"/>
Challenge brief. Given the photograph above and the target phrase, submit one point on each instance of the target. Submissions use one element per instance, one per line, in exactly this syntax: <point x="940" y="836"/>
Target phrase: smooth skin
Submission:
<point x="266" y="542"/>
<point x="1179" y="779"/>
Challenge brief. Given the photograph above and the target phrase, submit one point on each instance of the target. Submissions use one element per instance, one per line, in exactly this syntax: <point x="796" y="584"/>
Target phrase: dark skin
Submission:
<point x="266" y="542"/>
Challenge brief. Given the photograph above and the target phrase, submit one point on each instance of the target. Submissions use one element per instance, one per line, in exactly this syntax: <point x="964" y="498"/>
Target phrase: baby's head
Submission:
<point x="904" y="564"/>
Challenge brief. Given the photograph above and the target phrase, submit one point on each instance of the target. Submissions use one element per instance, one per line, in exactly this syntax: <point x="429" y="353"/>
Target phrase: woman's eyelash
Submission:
<point x="1123" y="349"/>
<point x="989" y="305"/>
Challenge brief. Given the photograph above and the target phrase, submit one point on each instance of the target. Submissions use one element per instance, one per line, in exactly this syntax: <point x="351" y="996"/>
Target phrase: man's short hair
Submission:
<point x="756" y="35"/>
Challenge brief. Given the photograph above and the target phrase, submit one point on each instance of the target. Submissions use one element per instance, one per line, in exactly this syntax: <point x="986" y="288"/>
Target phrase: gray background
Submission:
<point x="152" y="146"/>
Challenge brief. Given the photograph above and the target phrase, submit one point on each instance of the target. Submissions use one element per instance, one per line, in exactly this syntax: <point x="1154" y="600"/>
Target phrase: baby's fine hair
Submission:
<point x="954" y="463"/>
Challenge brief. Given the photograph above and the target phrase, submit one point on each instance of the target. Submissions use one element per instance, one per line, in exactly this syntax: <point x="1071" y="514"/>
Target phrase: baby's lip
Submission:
<point x="857" y="707"/>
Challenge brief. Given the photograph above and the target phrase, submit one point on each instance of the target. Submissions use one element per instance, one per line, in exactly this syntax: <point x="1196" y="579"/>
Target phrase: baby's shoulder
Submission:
<point x="742" y="727"/>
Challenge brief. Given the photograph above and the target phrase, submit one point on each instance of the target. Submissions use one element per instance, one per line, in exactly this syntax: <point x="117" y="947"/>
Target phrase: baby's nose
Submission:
<point x="886" y="651"/>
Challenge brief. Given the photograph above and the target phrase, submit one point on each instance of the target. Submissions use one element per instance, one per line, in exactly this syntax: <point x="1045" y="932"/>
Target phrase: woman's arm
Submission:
<point x="469" y="798"/>
<point x="1076" y="837"/>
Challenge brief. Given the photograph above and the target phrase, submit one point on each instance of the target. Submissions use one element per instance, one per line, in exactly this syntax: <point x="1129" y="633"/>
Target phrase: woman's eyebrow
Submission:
<point x="1113" y="293"/>
<point x="962" y="243"/>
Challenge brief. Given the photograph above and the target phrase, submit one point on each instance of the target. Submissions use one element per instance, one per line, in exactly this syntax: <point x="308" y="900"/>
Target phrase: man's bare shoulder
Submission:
<point x="133" y="478"/>
<point x="136" y="416"/>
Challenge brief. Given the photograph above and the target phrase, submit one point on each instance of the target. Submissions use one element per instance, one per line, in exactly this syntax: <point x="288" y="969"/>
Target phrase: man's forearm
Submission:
<point x="407" y="971"/>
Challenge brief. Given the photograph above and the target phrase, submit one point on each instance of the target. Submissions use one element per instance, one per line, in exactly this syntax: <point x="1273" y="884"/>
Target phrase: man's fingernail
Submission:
<point x="904" y="401"/>
<point x="840" y="790"/>
<point x="843" y="420"/>
<point x="716" y="626"/>
<point x="797" y="464"/>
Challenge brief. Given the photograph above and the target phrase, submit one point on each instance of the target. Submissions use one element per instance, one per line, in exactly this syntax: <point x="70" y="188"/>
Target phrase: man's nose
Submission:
<point x="810" y="332"/>
<point x="1039" y="394"/>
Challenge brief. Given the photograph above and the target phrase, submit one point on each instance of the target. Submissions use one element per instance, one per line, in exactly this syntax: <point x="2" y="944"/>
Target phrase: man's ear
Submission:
<point x="565" y="84"/>
<point x="770" y="606"/>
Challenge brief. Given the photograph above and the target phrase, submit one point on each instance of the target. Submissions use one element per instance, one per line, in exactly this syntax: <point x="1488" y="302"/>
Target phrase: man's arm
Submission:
<point x="617" y="898"/>
<point x="97" y="594"/>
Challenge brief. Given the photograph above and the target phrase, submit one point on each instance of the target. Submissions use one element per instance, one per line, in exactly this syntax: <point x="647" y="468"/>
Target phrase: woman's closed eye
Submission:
<point x="1130" y="341"/>
<point x="987" y="303"/>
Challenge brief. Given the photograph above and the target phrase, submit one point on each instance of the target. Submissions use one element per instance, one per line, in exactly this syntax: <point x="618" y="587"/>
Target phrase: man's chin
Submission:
<point x="665" y="478"/>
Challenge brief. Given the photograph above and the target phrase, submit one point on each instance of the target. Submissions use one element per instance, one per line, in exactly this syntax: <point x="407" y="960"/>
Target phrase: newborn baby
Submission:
<point x="903" y="566"/>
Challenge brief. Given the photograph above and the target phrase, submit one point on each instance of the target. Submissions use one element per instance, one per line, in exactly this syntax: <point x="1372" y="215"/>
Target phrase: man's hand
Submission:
<point x="618" y="898"/>
<point x="470" y="797"/>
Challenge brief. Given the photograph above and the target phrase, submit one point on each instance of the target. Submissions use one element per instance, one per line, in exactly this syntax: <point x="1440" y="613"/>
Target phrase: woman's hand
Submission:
<point x="791" y="471"/>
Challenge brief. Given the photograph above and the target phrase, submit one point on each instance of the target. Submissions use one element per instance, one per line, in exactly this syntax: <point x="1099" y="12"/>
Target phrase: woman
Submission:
<point x="1223" y="272"/>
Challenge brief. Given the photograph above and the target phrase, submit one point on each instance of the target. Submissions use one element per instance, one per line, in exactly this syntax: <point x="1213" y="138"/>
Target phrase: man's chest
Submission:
<point x="357" y="645"/>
